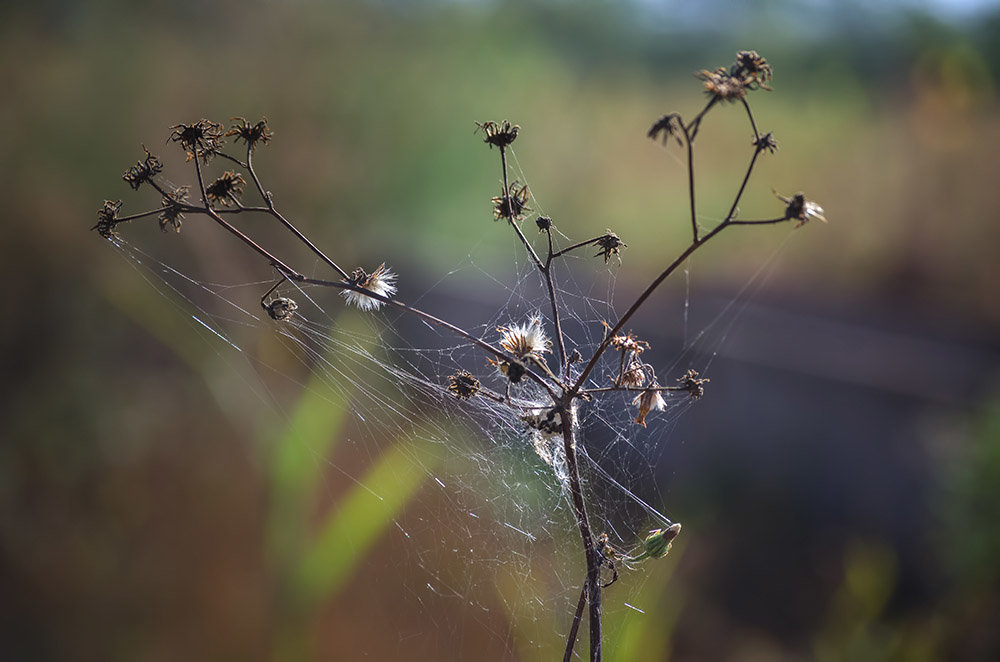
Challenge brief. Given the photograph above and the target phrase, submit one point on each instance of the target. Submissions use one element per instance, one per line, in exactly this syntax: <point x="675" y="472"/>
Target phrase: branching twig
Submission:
<point x="519" y="352"/>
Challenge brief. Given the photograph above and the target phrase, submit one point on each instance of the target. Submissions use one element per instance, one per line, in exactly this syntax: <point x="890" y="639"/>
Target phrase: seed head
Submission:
<point x="280" y="309"/>
<point x="749" y="72"/>
<point x="203" y="139"/>
<point x="463" y="385"/>
<point x="381" y="282"/>
<point x="251" y="134"/>
<point x="544" y="223"/>
<point x="143" y="171"/>
<point x="628" y="343"/>
<point x="754" y="69"/>
<point x="170" y="216"/>
<point x="513" y="205"/>
<point x="766" y="143"/>
<point x="107" y="218"/>
<point x="226" y="189"/>
<point x="668" y="125"/>
<point x="800" y="209"/>
<point x="691" y="383"/>
<point x="609" y="245"/>
<point x="512" y="370"/>
<point x="720" y="85"/>
<point x="633" y="376"/>
<point x="501" y="134"/>
<point x="524" y="340"/>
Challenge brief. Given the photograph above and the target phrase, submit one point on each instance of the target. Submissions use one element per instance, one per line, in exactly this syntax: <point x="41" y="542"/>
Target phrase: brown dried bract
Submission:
<point x="251" y="134"/>
<point x="694" y="385"/>
<point x="500" y="134"/>
<point x="610" y="245"/>
<point x="143" y="171"/>
<point x="513" y="205"/>
<point x="170" y="217"/>
<point x="463" y="385"/>
<point x="107" y="218"/>
<point x="226" y="189"/>
<point x="202" y="139"/>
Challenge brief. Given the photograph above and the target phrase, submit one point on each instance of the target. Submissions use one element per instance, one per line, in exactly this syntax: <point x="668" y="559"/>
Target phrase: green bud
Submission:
<point x="657" y="543"/>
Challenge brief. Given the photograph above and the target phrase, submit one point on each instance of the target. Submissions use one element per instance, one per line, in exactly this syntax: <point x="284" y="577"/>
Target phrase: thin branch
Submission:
<point x="630" y="389"/>
<point x="769" y="221"/>
<point x="581" y="244"/>
<point x="291" y="228"/>
<point x="232" y="158"/>
<point x="550" y="283"/>
<point x="133" y="217"/>
<point x="743" y="185"/>
<point x="678" y="261"/>
<point x="593" y="582"/>
<point x="543" y="268"/>
<point x="201" y="182"/>
<point x="689" y="139"/>
<point x="753" y="124"/>
<point x="575" y="628"/>
<point x="695" y="124"/>
<point x="510" y="219"/>
<point x="560" y="342"/>
<point x="427" y="317"/>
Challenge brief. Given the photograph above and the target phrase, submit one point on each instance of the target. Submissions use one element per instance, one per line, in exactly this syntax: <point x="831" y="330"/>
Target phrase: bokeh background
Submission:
<point x="839" y="486"/>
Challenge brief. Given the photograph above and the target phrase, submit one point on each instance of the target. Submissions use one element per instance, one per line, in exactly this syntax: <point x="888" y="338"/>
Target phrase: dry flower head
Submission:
<point x="499" y="134"/>
<point x="380" y="282"/>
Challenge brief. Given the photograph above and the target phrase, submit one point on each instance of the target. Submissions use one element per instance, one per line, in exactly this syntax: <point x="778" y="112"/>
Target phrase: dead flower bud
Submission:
<point x="649" y="400"/>
<point x="381" y="282"/>
<point x="754" y="69"/>
<point x="501" y="134"/>
<point x="633" y="376"/>
<point x="720" y="85"/>
<point x="463" y="385"/>
<point x="766" y="143"/>
<point x="202" y="139"/>
<point x="512" y="370"/>
<point x="524" y="340"/>
<point x="544" y="223"/>
<point x="251" y="134"/>
<point x="107" y="218"/>
<point x="668" y="125"/>
<point x="226" y="189"/>
<point x="170" y="215"/>
<point x="692" y="384"/>
<point x="609" y="245"/>
<point x="280" y="309"/>
<point x="143" y="171"/>
<point x="628" y="343"/>
<point x="513" y="205"/>
<point x="800" y="209"/>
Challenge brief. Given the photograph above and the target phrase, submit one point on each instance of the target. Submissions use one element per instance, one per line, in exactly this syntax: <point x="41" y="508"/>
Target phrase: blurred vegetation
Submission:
<point x="152" y="509"/>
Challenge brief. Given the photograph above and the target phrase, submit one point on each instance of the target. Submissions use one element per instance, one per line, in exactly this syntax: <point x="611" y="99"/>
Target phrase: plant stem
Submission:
<point x="291" y="228"/>
<point x="545" y="269"/>
<point x="575" y="628"/>
<point x="593" y="582"/>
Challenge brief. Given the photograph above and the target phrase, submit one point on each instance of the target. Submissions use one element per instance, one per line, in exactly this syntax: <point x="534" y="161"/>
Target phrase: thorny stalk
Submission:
<point x="519" y="352"/>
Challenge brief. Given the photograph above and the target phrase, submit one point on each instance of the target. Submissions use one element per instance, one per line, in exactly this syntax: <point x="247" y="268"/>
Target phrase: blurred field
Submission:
<point x="839" y="488"/>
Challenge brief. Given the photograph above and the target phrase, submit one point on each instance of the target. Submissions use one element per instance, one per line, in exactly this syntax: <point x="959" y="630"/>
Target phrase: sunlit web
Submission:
<point x="492" y="499"/>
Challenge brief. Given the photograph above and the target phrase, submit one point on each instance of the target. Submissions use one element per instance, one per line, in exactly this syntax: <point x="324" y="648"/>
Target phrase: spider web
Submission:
<point x="490" y="526"/>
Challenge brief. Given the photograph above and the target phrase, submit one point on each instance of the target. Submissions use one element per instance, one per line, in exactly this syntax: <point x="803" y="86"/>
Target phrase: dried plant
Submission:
<point x="519" y="351"/>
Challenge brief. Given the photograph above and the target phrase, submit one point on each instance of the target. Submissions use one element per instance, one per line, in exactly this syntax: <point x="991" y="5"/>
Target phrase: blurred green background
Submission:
<point x="839" y="486"/>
